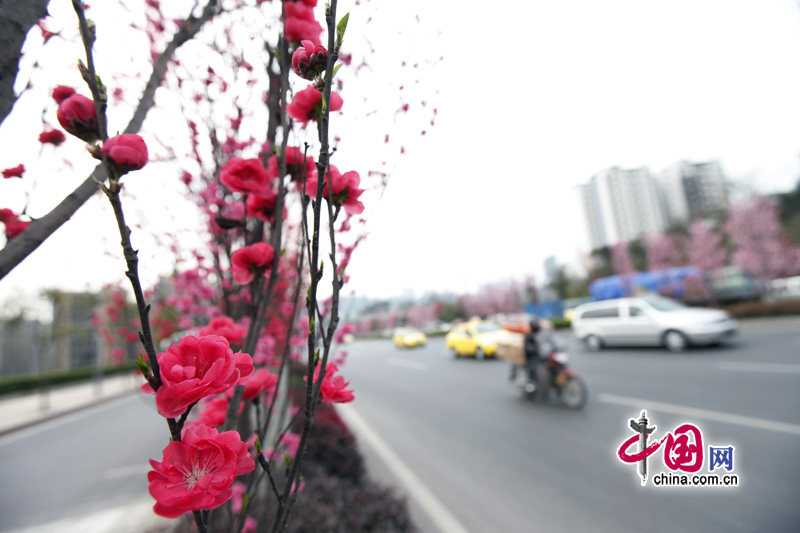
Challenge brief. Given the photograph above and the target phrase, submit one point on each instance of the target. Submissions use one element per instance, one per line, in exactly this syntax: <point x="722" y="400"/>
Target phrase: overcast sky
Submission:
<point x="531" y="100"/>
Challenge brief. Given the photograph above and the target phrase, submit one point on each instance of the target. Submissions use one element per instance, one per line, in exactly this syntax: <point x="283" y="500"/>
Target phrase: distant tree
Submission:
<point x="531" y="292"/>
<point x="755" y="232"/>
<point x="638" y="254"/>
<point x="790" y="213"/>
<point x="451" y="312"/>
<point x="662" y="252"/>
<point x="623" y="265"/>
<point x="561" y="283"/>
<point x="705" y="247"/>
<point x="423" y="314"/>
<point x="600" y="260"/>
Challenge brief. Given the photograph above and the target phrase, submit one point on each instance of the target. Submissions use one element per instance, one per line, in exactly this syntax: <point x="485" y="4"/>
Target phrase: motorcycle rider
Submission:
<point x="531" y="346"/>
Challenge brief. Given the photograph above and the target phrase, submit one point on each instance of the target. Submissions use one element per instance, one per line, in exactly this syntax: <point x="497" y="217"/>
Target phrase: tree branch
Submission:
<point x="39" y="230"/>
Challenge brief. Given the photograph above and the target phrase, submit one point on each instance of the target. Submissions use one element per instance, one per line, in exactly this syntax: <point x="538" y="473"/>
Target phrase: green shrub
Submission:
<point x="763" y="309"/>
<point x="32" y="382"/>
<point x="561" y="323"/>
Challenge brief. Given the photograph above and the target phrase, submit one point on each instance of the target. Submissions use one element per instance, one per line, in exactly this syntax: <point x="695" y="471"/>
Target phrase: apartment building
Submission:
<point x="622" y="205"/>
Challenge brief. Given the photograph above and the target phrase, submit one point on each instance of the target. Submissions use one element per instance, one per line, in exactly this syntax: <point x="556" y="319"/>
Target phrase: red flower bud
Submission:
<point x="125" y="152"/>
<point x="310" y="61"/>
<point x="61" y="93"/>
<point x="14" y="172"/>
<point x="77" y="115"/>
<point x="54" y="137"/>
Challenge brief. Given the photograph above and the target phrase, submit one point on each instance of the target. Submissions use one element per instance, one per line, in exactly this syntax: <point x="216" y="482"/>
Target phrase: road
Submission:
<point x="491" y="460"/>
<point x="80" y="465"/>
<point x="498" y="462"/>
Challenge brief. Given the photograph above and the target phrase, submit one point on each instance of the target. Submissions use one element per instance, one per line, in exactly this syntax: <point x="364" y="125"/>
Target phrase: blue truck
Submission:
<point x="684" y="283"/>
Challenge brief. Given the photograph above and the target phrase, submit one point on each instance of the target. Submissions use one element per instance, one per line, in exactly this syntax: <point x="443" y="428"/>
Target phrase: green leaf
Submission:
<point x="311" y="324"/>
<point x="316" y="357"/>
<point x="143" y="367"/>
<point x="336" y="69"/>
<point x="287" y="459"/>
<point x="340" y="29"/>
<point x="258" y="445"/>
<point x="324" y="103"/>
<point x="245" y="502"/>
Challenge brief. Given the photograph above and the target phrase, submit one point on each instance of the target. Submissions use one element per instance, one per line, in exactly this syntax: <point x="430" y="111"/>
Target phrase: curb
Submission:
<point x="58" y="414"/>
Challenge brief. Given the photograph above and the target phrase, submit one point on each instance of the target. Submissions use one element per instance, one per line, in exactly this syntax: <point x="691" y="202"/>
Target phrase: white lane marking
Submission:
<point x="716" y="416"/>
<point x="776" y="368"/>
<point x="407" y="364"/>
<point x="441" y="516"/>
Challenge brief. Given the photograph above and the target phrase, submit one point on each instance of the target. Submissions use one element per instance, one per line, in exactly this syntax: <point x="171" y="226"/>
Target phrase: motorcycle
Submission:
<point x="553" y="374"/>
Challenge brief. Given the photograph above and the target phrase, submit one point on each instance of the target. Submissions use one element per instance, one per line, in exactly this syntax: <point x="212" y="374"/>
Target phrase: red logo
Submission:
<point x="683" y="448"/>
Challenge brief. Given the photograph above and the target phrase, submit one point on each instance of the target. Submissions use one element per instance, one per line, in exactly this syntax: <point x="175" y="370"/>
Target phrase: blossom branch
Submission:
<point x="312" y="392"/>
<point x="264" y="464"/>
<point x="40" y="229"/>
<point x="286" y="348"/>
<point x="256" y="322"/>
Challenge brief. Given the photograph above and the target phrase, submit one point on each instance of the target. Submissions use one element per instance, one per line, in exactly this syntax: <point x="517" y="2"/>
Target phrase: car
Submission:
<point x="409" y="338"/>
<point x="476" y="338"/>
<point x="650" y="321"/>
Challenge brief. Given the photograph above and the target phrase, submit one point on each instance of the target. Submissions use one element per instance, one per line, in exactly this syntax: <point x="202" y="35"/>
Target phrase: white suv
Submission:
<point x="649" y="321"/>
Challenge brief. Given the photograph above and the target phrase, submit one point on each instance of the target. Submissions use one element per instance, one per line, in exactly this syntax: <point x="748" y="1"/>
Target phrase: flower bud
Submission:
<point x="310" y="61"/>
<point x="77" y="115"/>
<point x="61" y="93"/>
<point x="125" y="152"/>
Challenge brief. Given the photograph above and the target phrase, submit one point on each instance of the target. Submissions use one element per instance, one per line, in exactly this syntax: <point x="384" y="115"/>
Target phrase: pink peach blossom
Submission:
<point x="345" y="189"/>
<point x="250" y="261"/>
<point x="196" y="368"/>
<point x="245" y="176"/>
<point x="225" y="327"/>
<point x="334" y="387"/>
<point x="261" y="381"/>
<point x="198" y="471"/>
<point x="307" y="105"/>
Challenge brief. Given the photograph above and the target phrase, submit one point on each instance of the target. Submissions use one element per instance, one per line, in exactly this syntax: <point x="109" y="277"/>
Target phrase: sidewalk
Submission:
<point x="18" y="412"/>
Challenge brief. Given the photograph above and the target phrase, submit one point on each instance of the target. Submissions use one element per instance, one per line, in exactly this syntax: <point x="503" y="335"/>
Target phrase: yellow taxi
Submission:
<point x="409" y="338"/>
<point x="475" y="338"/>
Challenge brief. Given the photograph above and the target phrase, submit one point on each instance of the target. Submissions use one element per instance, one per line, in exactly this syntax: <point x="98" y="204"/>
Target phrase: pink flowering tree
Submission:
<point x="622" y="264"/>
<point x="257" y="94"/>
<point x="423" y="314"/>
<point x="706" y="251"/>
<point x="662" y="252"/>
<point x="219" y="334"/>
<point x="760" y="248"/>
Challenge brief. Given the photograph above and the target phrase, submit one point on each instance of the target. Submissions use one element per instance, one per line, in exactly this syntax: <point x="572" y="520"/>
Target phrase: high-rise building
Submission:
<point x="693" y="190"/>
<point x="622" y="205"/>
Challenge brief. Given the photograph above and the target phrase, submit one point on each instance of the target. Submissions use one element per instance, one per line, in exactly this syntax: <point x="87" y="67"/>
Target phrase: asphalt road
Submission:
<point x="501" y="463"/>
<point x="80" y="464"/>
<point x="493" y="460"/>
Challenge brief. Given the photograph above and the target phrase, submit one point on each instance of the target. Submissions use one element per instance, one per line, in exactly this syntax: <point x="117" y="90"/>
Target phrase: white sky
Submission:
<point x="531" y="100"/>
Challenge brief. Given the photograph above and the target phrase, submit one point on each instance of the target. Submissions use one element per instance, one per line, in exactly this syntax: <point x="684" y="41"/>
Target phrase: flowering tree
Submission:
<point x="423" y="314"/>
<point x="755" y="232"/>
<point x="622" y="264"/>
<point x="662" y="252"/>
<point x="705" y="247"/>
<point x="219" y="334"/>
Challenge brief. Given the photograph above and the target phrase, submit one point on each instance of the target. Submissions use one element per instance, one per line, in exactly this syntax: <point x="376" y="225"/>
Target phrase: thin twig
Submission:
<point x="262" y="461"/>
<point x="282" y="517"/>
<point x="40" y="229"/>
